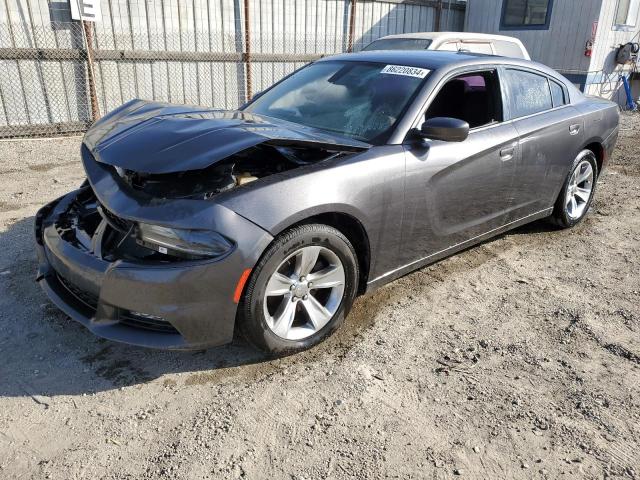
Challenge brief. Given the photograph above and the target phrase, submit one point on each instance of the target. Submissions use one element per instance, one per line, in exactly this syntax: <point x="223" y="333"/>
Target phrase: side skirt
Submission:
<point x="434" y="257"/>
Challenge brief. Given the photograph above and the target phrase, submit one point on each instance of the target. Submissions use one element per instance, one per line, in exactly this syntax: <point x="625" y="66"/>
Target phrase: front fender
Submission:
<point x="368" y="186"/>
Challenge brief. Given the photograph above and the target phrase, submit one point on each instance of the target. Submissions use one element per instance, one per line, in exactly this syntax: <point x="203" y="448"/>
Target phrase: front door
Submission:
<point x="458" y="191"/>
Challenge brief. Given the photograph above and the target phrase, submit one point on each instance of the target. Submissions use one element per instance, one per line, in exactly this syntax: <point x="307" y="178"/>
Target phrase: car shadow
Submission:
<point x="45" y="353"/>
<point x="539" y="226"/>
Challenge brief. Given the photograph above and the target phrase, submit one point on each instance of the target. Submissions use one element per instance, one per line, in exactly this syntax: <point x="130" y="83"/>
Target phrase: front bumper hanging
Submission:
<point x="186" y="304"/>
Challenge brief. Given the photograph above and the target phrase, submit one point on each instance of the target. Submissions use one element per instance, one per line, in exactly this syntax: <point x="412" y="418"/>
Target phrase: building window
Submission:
<point x="627" y="13"/>
<point x="526" y="14"/>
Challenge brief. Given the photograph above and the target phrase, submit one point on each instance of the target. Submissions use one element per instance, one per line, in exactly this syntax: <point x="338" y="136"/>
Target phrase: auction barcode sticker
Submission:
<point x="406" y="71"/>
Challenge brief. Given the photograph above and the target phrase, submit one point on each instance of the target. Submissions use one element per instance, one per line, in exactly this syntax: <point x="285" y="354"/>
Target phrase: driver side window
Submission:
<point x="472" y="97"/>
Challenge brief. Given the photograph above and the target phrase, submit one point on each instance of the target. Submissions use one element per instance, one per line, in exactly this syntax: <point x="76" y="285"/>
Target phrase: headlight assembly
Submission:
<point x="191" y="244"/>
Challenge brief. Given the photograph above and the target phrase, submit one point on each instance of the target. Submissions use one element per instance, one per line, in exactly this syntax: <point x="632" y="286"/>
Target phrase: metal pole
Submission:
<point x="247" y="49"/>
<point x="352" y="26"/>
<point x="438" y="15"/>
<point x="93" y="94"/>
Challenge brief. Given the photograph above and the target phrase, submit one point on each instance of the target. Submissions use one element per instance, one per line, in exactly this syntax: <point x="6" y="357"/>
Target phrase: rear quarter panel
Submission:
<point x="601" y="120"/>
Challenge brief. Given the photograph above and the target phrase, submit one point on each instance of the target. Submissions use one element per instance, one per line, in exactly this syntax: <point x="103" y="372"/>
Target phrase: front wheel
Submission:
<point x="300" y="290"/>
<point x="577" y="192"/>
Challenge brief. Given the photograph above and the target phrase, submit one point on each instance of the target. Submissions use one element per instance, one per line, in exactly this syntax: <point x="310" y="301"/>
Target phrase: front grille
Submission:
<point x="146" y="322"/>
<point x="87" y="298"/>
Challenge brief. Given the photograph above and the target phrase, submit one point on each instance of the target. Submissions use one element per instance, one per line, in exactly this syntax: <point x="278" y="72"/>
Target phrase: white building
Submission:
<point x="559" y="33"/>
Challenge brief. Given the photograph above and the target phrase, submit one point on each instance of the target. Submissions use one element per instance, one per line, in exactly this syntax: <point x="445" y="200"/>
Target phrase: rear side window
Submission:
<point x="508" y="49"/>
<point x="449" y="47"/>
<point x="528" y="93"/>
<point x="557" y="94"/>
<point x="477" y="47"/>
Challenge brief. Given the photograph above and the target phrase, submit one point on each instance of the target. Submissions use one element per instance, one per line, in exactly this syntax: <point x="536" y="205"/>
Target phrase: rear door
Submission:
<point x="550" y="133"/>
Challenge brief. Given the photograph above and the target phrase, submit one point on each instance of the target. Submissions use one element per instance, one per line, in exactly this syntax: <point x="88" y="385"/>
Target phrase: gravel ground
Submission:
<point x="519" y="358"/>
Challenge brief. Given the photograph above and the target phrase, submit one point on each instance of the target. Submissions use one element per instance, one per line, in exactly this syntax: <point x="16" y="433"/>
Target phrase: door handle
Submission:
<point x="574" y="129"/>
<point x="507" y="153"/>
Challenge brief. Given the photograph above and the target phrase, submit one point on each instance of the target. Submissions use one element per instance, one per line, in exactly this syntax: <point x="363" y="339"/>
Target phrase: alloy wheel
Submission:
<point x="579" y="190"/>
<point x="304" y="292"/>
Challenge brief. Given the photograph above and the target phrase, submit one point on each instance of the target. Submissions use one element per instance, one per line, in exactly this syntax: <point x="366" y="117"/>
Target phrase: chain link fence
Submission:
<point x="57" y="75"/>
<point x="43" y="83"/>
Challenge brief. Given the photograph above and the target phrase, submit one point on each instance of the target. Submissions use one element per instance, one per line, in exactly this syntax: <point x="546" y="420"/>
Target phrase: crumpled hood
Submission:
<point x="159" y="138"/>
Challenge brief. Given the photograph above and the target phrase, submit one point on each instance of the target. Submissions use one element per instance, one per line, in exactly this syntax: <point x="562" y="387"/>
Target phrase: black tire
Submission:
<point x="560" y="215"/>
<point x="251" y="317"/>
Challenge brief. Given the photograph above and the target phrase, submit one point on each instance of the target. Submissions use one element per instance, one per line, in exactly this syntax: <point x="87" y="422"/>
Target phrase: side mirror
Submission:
<point x="445" y="128"/>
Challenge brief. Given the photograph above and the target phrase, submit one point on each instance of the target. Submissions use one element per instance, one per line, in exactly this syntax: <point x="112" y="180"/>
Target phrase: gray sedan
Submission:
<point x="356" y="169"/>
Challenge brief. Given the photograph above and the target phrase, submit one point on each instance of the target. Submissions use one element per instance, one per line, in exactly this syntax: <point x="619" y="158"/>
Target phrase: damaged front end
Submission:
<point x="142" y="253"/>
<point x="168" y="151"/>
<point x="89" y="226"/>
<point x="164" y="284"/>
<point x="240" y="169"/>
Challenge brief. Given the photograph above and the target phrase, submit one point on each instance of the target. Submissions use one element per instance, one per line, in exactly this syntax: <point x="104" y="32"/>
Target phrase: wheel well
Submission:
<point x="598" y="151"/>
<point x="351" y="228"/>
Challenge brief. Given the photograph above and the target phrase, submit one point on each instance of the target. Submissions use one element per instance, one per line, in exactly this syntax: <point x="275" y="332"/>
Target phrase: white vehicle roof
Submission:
<point x="438" y="38"/>
<point x="453" y="36"/>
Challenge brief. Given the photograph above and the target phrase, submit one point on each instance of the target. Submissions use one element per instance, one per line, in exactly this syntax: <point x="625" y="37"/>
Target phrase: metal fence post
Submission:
<point x="93" y="94"/>
<point x="438" y="16"/>
<point x="247" y="49"/>
<point x="352" y="26"/>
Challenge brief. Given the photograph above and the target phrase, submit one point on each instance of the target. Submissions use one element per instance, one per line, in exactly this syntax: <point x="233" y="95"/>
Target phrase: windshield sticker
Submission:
<point x="406" y="71"/>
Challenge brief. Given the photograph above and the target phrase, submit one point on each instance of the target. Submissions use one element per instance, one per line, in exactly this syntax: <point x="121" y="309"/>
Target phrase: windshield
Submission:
<point x="399" y="44"/>
<point x="355" y="99"/>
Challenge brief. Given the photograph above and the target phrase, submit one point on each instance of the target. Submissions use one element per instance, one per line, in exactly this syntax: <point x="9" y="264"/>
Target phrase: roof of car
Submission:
<point x="431" y="59"/>
<point x="439" y="59"/>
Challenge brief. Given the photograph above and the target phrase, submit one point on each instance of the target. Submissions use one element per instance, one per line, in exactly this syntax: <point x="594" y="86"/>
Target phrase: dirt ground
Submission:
<point x="519" y="358"/>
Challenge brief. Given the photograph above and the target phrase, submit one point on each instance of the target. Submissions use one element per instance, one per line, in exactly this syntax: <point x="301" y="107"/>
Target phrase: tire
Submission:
<point x="263" y="319"/>
<point x="565" y="213"/>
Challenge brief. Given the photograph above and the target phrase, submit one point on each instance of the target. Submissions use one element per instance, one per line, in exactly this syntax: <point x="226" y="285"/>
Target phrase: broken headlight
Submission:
<point x="191" y="244"/>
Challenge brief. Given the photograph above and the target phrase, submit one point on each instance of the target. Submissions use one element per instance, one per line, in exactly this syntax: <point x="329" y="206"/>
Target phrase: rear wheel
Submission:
<point x="577" y="192"/>
<point x="300" y="290"/>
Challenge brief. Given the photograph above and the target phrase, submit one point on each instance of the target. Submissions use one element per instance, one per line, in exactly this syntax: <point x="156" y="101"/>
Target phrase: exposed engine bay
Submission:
<point x="169" y="151"/>
<point x="240" y="169"/>
<point x="87" y="225"/>
<point x="92" y="227"/>
<point x="152" y="152"/>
